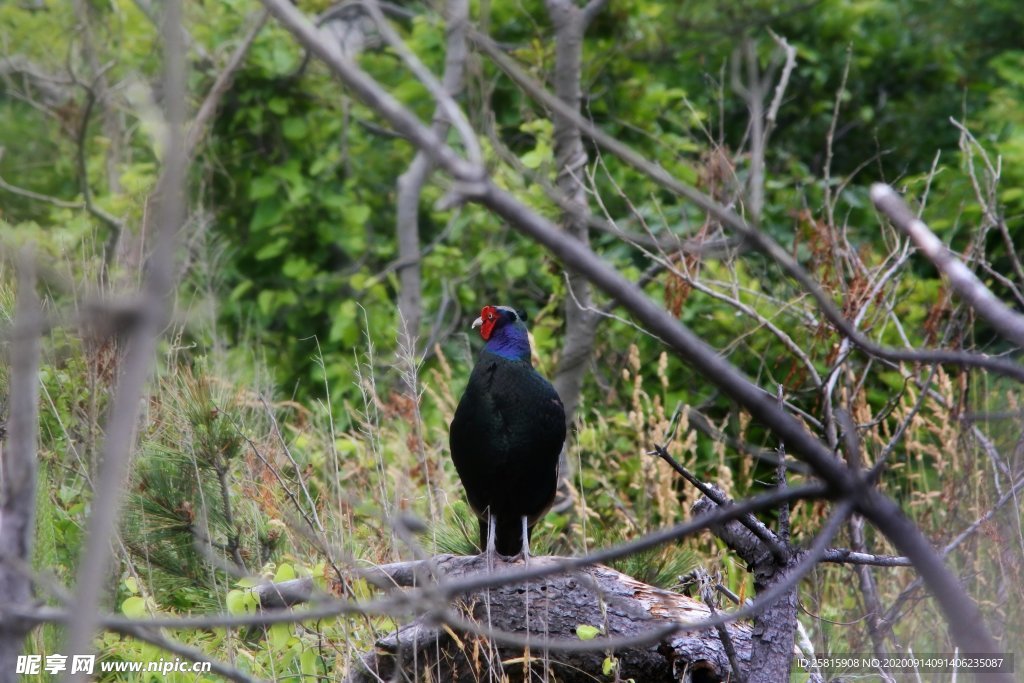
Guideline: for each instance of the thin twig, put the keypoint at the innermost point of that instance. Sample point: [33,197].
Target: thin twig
[708,596]
[830,139]
[298,470]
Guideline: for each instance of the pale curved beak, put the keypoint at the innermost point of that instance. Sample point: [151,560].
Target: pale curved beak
[477,323]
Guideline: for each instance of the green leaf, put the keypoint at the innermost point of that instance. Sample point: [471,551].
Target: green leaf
[587,632]
[537,156]
[268,213]
[278,105]
[235,602]
[361,589]
[263,186]
[309,661]
[272,249]
[134,607]
[266,301]
[295,128]
[344,327]
[410,91]
[284,573]
[241,601]
[608,665]
[516,267]
[280,634]
[282,58]
[298,268]
[356,215]
[539,127]
[240,289]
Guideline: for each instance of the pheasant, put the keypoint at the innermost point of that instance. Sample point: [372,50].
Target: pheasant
[507,434]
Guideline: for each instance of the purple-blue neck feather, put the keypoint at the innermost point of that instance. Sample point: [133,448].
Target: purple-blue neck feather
[510,341]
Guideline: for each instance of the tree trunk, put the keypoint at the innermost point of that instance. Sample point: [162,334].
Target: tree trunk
[774,633]
[410,185]
[571,159]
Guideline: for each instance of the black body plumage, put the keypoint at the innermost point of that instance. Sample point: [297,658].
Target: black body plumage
[507,434]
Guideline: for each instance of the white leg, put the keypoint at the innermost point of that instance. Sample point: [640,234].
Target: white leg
[491,533]
[526,541]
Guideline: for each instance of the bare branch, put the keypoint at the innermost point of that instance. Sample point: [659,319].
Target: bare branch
[830,139]
[29,194]
[753,92]
[18,471]
[714,494]
[707,594]
[112,222]
[868,588]
[780,89]
[846,556]
[159,284]
[965,283]
[197,130]
[670,243]
[185,652]
[750,311]
[115,225]
[776,582]
[592,9]
[53,90]
[446,104]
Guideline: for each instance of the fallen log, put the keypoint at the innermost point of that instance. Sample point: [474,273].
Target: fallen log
[538,629]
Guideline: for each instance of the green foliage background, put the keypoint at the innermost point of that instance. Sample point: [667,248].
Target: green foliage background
[290,288]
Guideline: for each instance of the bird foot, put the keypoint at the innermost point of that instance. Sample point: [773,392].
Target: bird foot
[490,557]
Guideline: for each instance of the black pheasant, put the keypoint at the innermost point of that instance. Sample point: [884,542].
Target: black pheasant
[507,434]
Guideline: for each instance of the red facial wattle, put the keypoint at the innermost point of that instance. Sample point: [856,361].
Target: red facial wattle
[488,319]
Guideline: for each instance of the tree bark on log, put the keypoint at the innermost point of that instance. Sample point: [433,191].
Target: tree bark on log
[548,611]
